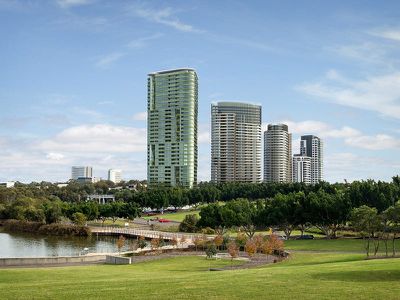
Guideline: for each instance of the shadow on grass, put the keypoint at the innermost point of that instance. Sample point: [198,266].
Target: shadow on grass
[360,276]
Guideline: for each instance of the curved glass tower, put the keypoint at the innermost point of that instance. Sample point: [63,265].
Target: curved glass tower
[172,98]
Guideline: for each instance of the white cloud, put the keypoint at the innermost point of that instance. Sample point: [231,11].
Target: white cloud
[141,116]
[106,61]
[100,138]
[71,3]
[376,93]
[165,16]
[351,136]
[376,142]
[390,34]
[143,41]
[55,156]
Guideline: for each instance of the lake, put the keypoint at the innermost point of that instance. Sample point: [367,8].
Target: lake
[31,245]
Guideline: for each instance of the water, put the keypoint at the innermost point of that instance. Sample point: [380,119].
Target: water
[32,245]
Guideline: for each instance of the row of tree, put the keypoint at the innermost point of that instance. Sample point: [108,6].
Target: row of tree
[328,212]
[53,210]
[372,193]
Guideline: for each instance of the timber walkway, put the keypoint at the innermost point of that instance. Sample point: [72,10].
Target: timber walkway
[148,234]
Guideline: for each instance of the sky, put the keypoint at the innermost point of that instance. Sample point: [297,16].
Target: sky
[73,79]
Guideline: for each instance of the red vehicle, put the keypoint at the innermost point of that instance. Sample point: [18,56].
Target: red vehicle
[163,220]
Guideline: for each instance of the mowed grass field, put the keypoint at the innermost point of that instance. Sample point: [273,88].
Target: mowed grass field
[303,276]
[178,216]
[342,245]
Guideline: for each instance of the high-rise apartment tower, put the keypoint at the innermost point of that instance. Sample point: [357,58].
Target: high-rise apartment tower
[312,146]
[235,142]
[115,175]
[301,168]
[277,154]
[172,128]
[81,172]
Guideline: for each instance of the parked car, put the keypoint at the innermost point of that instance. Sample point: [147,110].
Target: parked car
[306,237]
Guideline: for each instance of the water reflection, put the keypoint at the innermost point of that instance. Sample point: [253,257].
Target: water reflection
[32,245]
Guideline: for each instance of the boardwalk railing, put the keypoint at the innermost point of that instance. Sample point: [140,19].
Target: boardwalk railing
[150,234]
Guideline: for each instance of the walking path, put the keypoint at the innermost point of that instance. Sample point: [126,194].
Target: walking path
[148,234]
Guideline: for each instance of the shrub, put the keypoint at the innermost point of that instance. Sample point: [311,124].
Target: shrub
[211,250]
[189,223]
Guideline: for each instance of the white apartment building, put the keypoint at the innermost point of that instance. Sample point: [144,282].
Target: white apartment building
[301,168]
[277,154]
[81,172]
[115,175]
[235,142]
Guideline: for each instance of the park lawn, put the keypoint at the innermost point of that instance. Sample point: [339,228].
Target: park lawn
[178,216]
[303,276]
[344,245]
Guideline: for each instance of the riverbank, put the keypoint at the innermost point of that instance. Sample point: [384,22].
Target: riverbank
[48,229]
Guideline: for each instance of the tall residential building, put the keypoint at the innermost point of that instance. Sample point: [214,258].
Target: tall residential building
[235,142]
[301,168]
[172,128]
[81,172]
[115,175]
[277,154]
[312,146]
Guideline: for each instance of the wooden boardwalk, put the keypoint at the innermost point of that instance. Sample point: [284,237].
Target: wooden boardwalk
[148,234]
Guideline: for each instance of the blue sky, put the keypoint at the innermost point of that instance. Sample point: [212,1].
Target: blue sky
[74,72]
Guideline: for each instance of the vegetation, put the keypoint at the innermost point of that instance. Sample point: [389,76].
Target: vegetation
[304,276]
[48,229]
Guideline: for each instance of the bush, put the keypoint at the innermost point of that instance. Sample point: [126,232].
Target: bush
[69,230]
[49,229]
[211,250]
[189,223]
[22,226]
[208,230]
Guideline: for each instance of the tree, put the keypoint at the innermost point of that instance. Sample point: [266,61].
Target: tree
[120,243]
[141,242]
[218,240]
[155,243]
[174,241]
[211,250]
[267,248]
[250,248]
[79,219]
[183,240]
[366,221]
[393,217]
[275,243]
[233,250]
[189,223]
[197,241]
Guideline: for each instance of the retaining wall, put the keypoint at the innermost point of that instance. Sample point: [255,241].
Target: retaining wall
[26,261]
[118,260]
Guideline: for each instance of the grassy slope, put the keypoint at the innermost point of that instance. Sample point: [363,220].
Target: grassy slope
[178,216]
[346,245]
[304,276]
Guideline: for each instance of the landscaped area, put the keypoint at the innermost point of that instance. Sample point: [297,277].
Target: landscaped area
[303,276]
[174,216]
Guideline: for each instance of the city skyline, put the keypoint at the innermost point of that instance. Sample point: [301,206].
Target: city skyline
[73,86]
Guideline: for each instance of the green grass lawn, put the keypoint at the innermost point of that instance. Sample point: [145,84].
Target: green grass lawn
[345,245]
[303,276]
[178,216]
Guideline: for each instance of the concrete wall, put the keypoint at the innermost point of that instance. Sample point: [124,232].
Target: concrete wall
[26,261]
[118,260]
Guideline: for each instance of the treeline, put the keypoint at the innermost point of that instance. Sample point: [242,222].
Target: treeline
[328,212]
[53,210]
[48,202]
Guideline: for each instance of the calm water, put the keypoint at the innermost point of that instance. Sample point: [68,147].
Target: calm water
[31,245]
